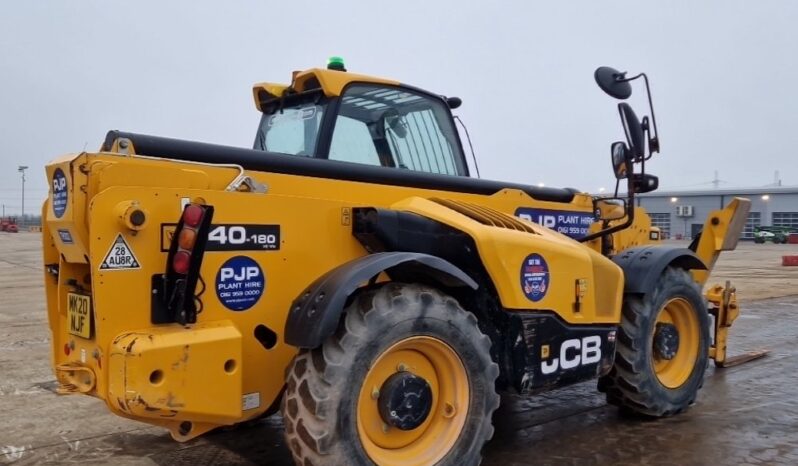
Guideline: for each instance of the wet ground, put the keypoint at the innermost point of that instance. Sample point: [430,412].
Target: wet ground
[744,415]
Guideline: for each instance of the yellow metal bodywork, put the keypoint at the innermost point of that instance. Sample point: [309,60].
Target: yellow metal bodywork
[726,310]
[315,217]
[331,82]
[639,233]
[502,250]
[721,232]
[149,371]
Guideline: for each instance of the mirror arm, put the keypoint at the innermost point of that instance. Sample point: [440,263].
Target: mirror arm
[630,214]
[653,141]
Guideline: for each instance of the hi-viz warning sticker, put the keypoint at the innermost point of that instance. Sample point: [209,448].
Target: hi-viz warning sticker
[120,257]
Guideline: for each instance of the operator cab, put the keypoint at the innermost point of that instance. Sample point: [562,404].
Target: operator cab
[370,129]
[331,114]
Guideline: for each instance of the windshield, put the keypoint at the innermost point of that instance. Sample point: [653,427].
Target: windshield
[291,128]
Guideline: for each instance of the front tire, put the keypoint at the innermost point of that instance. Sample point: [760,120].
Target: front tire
[393,336]
[662,349]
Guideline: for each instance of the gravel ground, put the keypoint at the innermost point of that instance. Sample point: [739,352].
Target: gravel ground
[744,415]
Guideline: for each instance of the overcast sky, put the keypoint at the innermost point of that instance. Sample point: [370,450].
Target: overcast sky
[723,75]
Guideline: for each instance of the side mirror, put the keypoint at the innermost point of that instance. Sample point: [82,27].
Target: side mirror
[611,208]
[620,160]
[644,183]
[453,102]
[613,82]
[633,130]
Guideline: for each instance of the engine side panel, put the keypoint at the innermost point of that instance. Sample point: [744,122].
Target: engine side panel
[538,270]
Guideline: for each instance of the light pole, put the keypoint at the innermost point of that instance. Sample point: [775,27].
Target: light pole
[764,220]
[22,169]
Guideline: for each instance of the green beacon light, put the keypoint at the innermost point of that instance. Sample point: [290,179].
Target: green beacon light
[336,63]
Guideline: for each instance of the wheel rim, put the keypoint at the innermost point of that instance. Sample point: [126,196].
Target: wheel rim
[674,372]
[439,365]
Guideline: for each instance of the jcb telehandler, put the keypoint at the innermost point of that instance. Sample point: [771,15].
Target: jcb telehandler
[348,271]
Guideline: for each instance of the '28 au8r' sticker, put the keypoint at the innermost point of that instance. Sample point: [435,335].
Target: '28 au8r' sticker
[120,256]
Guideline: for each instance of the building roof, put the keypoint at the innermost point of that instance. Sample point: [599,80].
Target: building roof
[725,192]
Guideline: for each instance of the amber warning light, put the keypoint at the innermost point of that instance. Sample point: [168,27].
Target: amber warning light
[187,238]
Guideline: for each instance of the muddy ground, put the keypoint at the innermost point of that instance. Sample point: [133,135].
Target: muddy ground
[744,415]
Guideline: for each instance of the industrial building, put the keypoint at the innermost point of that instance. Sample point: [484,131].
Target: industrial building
[681,214]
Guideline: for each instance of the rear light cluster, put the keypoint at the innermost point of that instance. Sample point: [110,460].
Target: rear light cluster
[187,238]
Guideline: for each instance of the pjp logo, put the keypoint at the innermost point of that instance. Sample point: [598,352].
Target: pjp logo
[548,221]
[239,274]
[240,283]
[59,184]
[60,193]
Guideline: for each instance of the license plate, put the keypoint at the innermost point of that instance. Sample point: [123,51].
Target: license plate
[79,314]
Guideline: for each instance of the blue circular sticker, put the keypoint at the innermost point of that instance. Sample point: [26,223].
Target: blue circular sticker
[535,277]
[60,193]
[240,283]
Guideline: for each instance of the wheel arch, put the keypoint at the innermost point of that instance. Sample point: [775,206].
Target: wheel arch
[316,312]
[643,266]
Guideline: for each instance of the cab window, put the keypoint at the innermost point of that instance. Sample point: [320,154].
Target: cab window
[351,141]
[291,127]
[398,128]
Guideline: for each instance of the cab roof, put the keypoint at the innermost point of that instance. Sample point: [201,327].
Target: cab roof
[331,82]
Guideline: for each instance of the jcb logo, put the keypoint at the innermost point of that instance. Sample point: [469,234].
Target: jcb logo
[239,274]
[59,183]
[574,353]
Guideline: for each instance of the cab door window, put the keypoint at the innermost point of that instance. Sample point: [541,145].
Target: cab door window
[397,128]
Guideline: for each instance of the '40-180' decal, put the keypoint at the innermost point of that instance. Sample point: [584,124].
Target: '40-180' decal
[232,237]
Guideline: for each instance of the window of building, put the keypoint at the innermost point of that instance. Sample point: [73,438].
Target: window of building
[786,219]
[663,222]
[754,220]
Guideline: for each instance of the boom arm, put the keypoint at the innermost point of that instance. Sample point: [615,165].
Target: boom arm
[721,232]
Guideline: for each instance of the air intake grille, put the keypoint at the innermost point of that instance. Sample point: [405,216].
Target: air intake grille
[485,215]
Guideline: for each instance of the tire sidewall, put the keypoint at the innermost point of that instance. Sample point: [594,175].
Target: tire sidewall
[667,290]
[393,329]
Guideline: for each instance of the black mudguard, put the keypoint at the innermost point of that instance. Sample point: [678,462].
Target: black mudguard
[314,315]
[643,266]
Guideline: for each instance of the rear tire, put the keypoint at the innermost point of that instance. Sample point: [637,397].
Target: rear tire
[642,380]
[330,407]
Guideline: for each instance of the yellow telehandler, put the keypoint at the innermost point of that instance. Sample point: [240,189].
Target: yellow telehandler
[349,271]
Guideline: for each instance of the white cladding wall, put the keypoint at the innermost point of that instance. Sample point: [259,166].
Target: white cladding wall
[703,203]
